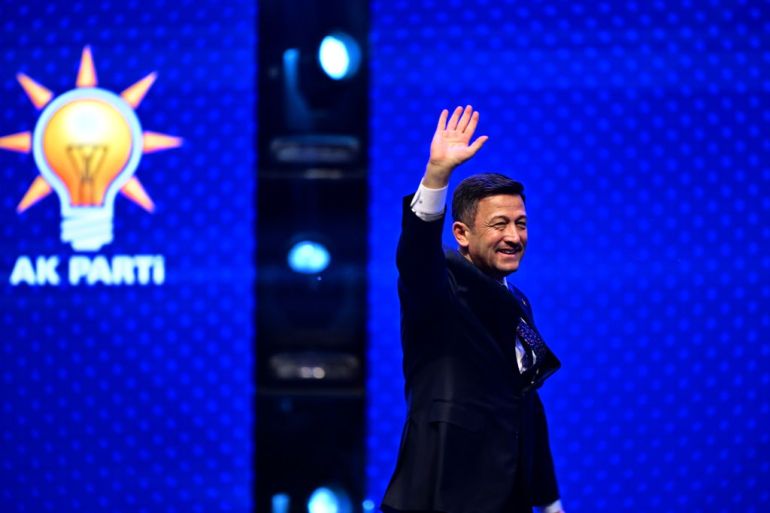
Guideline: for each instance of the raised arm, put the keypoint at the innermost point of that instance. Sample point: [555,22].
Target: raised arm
[420,257]
[451,145]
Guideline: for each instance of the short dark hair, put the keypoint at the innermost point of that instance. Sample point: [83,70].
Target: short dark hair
[473,189]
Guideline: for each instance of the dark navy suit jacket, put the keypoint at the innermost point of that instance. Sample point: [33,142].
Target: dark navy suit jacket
[475,431]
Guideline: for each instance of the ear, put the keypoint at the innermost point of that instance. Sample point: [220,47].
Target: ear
[460,232]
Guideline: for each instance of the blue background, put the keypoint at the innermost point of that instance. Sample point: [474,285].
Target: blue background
[135,399]
[640,131]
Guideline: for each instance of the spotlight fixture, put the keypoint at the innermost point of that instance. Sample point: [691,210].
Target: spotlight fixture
[329,500]
[339,55]
[308,257]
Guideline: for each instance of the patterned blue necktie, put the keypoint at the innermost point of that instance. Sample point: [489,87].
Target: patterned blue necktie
[532,343]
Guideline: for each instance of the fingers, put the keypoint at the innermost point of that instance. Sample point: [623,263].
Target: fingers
[466,118]
[477,144]
[461,120]
[452,125]
[472,123]
[463,123]
[442,120]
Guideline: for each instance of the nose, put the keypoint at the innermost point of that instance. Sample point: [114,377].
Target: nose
[512,235]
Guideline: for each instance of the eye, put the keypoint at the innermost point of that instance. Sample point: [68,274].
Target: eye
[522,224]
[499,225]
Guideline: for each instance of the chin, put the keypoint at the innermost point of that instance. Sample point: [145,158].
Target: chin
[505,270]
[508,267]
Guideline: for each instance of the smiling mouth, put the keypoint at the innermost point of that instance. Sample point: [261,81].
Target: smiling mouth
[509,251]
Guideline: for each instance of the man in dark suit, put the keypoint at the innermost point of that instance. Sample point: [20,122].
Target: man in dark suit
[475,438]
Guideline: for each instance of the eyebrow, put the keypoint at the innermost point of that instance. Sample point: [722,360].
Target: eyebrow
[497,218]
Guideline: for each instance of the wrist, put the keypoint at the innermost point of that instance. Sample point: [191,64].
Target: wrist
[436,177]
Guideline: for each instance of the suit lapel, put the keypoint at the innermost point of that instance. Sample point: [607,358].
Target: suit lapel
[522,303]
[496,309]
[488,306]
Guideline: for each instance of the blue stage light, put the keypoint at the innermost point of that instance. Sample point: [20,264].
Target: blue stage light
[328,500]
[308,257]
[280,503]
[339,55]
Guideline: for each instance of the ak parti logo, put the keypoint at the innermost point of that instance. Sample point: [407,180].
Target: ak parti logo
[87,145]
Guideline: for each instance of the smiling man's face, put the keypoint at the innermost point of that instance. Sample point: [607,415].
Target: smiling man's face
[497,240]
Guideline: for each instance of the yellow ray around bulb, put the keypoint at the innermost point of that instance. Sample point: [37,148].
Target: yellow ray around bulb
[154,141]
[134,191]
[38,94]
[37,191]
[135,94]
[21,142]
[87,72]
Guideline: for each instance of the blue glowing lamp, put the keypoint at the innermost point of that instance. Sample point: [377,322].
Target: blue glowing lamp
[328,500]
[308,257]
[339,55]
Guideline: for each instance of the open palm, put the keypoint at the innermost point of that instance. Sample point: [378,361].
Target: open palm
[451,144]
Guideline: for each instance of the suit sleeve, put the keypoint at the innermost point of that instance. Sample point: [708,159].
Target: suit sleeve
[544,487]
[420,260]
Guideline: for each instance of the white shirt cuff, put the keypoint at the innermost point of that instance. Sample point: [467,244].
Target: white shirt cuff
[428,204]
[554,507]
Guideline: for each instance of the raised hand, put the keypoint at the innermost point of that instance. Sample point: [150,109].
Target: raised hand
[451,145]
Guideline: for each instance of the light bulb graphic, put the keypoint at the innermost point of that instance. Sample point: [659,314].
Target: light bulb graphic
[87,145]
